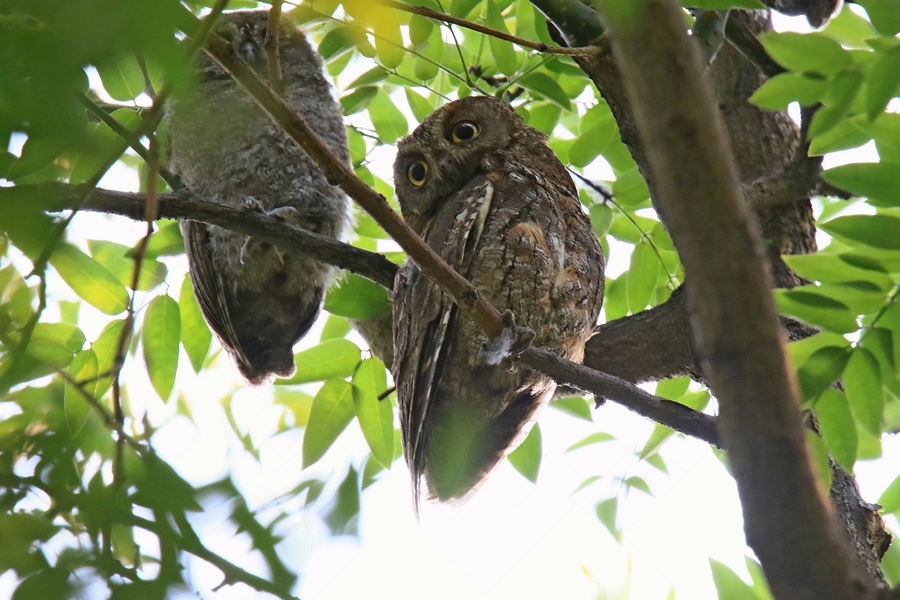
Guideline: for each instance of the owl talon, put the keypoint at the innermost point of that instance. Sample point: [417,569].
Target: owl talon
[251,204]
[509,345]
[285,214]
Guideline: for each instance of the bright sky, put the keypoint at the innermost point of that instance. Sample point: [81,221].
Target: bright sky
[511,540]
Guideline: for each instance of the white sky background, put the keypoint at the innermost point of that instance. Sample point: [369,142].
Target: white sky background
[511,540]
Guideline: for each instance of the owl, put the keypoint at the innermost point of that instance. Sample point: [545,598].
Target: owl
[487,193]
[259,300]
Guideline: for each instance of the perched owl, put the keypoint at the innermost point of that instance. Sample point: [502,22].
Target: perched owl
[488,194]
[258,300]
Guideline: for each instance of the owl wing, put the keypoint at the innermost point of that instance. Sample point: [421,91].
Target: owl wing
[209,288]
[420,305]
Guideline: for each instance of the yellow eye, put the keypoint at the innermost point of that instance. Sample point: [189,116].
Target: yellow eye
[416,172]
[465,131]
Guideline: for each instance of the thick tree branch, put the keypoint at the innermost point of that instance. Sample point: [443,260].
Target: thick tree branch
[788,524]
[651,345]
[55,197]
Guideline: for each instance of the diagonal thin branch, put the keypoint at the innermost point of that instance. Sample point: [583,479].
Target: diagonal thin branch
[502,35]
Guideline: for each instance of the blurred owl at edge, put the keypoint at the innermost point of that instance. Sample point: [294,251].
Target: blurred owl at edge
[487,193]
[259,300]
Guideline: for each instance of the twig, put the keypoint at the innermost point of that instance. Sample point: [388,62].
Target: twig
[273,58]
[666,412]
[450,19]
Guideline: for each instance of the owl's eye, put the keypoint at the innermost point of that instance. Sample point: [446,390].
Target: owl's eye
[465,131]
[416,172]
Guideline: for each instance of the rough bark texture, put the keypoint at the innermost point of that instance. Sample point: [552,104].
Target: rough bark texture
[787,520]
[764,143]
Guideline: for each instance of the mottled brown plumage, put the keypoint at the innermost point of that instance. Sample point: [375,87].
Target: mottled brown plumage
[258,300]
[501,209]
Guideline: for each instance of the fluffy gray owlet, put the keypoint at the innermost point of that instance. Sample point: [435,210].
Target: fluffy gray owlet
[486,193]
[257,299]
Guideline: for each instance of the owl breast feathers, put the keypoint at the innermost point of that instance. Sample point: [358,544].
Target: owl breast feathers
[486,193]
[259,300]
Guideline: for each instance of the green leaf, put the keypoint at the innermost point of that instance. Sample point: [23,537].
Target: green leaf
[356,297]
[335,328]
[331,359]
[419,105]
[165,241]
[389,122]
[638,484]
[846,134]
[122,77]
[672,388]
[576,406]
[546,87]
[779,91]
[643,275]
[820,458]
[811,52]
[695,400]
[606,512]
[837,427]
[816,309]
[728,585]
[339,40]
[594,438]
[462,8]
[90,280]
[890,498]
[195,334]
[342,515]
[331,412]
[884,14]
[358,100]
[601,218]
[376,417]
[55,343]
[656,461]
[850,29]
[879,231]
[837,268]
[630,189]
[862,383]
[837,100]
[592,142]
[873,180]
[821,369]
[115,257]
[427,64]
[527,457]
[84,370]
[419,29]
[861,297]
[161,335]
[502,51]
[299,403]
[882,81]
[388,40]
[105,347]
[760,584]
